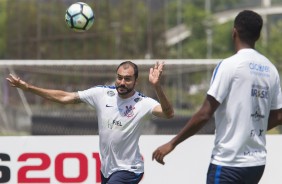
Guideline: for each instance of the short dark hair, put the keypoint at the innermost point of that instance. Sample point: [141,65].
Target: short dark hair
[133,65]
[248,25]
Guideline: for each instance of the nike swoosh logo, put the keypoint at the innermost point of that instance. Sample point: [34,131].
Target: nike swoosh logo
[108,105]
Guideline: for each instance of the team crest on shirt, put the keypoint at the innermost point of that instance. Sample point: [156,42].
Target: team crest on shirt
[129,111]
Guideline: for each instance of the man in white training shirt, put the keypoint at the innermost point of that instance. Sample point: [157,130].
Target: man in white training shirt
[244,93]
[121,113]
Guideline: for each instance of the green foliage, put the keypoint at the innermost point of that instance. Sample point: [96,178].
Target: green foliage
[2,28]
[118,31]
[193,17]
[222,5]
[275,42]
[222,41]
[127,29]
[130,32]
[276,2]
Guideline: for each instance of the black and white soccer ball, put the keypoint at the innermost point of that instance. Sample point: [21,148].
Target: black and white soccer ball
[79,16]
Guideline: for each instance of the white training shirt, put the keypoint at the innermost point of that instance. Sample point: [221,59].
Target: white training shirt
[120,122]
[247,86]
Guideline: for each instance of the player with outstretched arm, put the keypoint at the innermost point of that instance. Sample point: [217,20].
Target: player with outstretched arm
[121,112]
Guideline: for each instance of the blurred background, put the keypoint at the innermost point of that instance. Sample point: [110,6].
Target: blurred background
[182,31]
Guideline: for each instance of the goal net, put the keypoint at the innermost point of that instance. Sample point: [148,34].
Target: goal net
[22,113]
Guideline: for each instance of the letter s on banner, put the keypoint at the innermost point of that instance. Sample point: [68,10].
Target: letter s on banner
[4,170]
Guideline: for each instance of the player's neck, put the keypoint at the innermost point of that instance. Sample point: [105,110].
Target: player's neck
[242,45]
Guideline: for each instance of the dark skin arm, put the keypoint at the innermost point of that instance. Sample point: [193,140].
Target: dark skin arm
[275,118]
[198,120]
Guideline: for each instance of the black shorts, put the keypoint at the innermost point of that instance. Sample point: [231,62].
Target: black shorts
[234,175]
[122,177]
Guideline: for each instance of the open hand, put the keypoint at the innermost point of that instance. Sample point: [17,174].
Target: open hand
[17,82]
[156,72]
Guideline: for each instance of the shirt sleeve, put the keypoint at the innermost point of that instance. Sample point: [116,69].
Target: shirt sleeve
[153,104]
[276,102]
[148,104]
[89,96]
[220,82]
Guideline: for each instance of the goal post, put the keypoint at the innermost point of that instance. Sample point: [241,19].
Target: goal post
[185,81]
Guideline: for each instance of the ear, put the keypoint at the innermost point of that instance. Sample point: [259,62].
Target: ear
[234,33]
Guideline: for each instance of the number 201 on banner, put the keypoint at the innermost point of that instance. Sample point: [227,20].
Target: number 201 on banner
[22,173]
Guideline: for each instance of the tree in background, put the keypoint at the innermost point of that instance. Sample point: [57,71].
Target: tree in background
[35,29]
[42,33]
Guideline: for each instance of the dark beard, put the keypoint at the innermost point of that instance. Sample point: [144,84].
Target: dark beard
[127,90]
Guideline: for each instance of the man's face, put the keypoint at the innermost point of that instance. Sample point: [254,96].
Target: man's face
[125,81]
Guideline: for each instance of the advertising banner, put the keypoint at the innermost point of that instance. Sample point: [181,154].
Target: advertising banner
[75,159]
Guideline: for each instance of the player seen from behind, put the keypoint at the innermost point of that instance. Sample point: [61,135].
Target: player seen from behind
[245,98]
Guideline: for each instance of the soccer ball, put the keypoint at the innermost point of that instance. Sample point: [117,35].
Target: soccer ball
[79,16]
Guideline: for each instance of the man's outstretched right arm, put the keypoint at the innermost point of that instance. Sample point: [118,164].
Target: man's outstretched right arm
[59,96]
